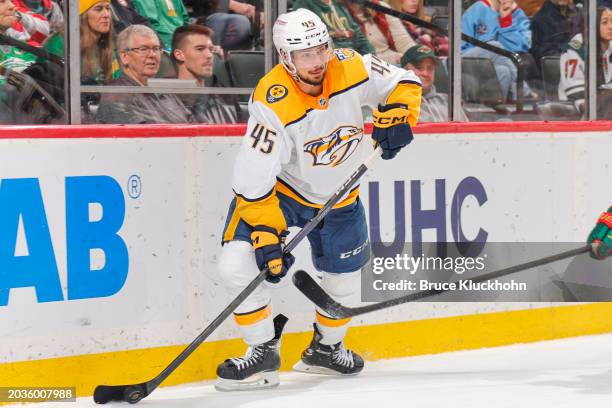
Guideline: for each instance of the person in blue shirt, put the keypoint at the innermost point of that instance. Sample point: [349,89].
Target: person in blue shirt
[503,24]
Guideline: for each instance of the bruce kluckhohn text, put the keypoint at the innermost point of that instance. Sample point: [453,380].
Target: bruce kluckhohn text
[466,284]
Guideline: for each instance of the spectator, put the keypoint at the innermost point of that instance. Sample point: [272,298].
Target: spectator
[553,27]
[387,34]
[422,35]
[11,57]
[124,15]
[343,30]
[434,106]
[49,9]
[21,99]
[230,21]
[139,52]
[165,17]
[98,60]
[497,21]
[193,52]
[571,86]
[502,24]
[33,27]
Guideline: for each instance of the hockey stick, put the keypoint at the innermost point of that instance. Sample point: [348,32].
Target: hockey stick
[307,285]
[133,393]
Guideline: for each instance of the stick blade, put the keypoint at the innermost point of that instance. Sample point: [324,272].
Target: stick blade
[129,393]
[106,393]
[307,285]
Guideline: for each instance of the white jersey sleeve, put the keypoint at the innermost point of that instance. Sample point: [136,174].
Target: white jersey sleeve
[262,152]
[384,79]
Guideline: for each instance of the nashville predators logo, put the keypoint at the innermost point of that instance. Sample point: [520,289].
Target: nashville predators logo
[276,93]
[336,147]
[344,54]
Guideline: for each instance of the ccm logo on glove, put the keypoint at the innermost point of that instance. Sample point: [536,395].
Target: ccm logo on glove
[391,129]
[391,117]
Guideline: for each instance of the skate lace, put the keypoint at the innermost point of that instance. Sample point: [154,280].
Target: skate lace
[343,356]
[253,356]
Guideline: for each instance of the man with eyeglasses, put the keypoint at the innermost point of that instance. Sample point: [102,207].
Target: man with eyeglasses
[305,136]
[193,52]
[140,55]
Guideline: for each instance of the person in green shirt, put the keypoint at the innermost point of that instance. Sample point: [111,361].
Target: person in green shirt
[165,17]
[343,29]
[99,63]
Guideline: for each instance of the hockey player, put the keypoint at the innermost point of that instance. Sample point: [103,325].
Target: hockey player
[304,138]
[601,236]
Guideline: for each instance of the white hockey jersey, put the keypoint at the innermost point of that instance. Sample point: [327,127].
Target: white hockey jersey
[571,84]
[305,147]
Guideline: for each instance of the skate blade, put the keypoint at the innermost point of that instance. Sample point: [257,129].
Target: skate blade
[312,369]
[259,381]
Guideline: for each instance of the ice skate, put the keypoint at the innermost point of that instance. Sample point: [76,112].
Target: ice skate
[258,369]
[332,360]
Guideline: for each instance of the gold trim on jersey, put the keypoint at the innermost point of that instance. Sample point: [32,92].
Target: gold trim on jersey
[286,189]
[279,91]
[409,93]
[272,214]
[230,231]
[265,211]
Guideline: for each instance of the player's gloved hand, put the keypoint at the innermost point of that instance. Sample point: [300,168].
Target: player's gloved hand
[269,252]
[601,236]
[391,129]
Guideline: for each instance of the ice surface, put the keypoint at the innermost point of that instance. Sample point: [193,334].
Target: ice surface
[572,373]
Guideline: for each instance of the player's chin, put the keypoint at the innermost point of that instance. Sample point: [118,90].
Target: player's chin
[316,79]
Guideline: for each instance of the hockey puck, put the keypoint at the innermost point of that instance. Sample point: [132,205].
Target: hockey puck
[133,394]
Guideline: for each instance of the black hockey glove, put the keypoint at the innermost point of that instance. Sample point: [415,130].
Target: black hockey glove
[391,129]
[269,252]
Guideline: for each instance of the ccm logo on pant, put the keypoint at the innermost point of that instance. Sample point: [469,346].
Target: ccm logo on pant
[355,251]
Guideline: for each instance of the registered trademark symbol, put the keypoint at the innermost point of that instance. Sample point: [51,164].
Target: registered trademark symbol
[134,186]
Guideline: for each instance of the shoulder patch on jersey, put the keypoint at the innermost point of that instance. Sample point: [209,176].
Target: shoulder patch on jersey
[344,54]
[276,92]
